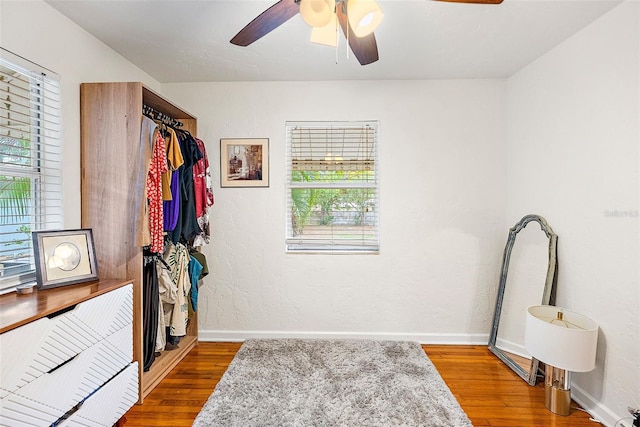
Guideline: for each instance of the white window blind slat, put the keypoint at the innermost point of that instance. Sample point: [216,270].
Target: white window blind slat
[330,184]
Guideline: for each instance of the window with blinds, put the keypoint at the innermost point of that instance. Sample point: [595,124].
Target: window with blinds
[30,163]
[332,187]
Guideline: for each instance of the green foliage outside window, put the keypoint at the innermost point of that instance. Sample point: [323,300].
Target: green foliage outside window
[321,206]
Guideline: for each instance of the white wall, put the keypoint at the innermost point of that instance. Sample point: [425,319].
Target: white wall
[560,139]
[56,43]
[441,217]
[573,157]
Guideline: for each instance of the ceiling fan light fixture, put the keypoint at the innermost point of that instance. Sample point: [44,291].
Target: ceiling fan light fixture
[327,35]
[364,16]
[317,13]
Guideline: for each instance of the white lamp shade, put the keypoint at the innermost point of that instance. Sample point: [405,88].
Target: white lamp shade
[327,35]
[317,13]
[568,344]
[364,16]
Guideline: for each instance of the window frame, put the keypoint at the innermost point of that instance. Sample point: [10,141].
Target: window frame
[36,115]
[337,245]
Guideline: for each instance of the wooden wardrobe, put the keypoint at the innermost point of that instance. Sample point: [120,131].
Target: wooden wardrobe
[111,116]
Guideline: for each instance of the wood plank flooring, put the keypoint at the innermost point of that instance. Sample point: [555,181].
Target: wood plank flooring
[488,391]
[492,394]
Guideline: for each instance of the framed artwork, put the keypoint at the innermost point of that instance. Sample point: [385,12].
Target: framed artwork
[64,257]
[244,162]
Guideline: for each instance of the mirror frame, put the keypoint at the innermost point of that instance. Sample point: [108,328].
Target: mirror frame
[531,376]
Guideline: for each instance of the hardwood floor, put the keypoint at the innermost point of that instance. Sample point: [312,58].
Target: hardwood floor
[492,394]
[488,391]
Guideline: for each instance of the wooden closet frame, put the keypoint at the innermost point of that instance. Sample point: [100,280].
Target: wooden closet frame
[110,123]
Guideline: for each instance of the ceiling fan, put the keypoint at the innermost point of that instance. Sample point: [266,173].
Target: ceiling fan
[358,31]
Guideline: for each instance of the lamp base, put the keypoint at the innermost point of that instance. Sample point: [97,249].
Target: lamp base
[557,391]
[557,400]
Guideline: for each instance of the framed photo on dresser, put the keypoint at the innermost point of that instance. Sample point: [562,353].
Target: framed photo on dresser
[64,257]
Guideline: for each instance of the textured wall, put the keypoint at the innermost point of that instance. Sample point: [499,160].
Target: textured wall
[442,157]
[572,139]
[573,152]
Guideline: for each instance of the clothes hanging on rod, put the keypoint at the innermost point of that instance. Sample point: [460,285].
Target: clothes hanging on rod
[174,161]
[172,202]
[157,167]
[142,233]
[203,195]
[177,314]
[187,225]
[199,258]
[171,207]
[195,269]
[178,191]
[175,201]
[150,308]
[168,292]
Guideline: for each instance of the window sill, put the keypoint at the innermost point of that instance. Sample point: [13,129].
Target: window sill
[330,252]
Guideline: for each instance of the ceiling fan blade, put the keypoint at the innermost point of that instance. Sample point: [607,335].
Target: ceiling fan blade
[364,48]
[474,1]
[266,22]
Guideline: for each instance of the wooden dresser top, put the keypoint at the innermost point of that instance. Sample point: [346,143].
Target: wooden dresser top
[17,310]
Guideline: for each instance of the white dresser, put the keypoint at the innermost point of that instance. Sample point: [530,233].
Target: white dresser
[66,356]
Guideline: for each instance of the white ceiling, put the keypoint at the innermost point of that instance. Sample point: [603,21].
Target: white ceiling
[188,41]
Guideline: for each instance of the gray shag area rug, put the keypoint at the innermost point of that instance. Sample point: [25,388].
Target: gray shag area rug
[292,382]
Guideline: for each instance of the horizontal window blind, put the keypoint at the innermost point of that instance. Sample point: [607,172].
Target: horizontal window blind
[332,186]
[30,163]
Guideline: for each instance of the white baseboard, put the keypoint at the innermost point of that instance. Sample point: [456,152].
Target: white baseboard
[235,336]
[597,410]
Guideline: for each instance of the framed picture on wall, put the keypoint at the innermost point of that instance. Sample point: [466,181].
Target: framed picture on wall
[64,257]
[244,162]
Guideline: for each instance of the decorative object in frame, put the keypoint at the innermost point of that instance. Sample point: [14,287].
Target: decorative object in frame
[64,257]
[244,162]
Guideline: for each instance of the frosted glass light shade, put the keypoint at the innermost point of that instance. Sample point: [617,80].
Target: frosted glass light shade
[568,343]
[327,35]
[317,13]
[364,16]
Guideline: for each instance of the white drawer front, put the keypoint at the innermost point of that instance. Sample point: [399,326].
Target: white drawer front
[18,411]
[109,403]
[32,350]
[54,393]
[109,312]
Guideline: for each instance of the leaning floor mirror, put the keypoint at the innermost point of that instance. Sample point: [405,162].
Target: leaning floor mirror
[527,278]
